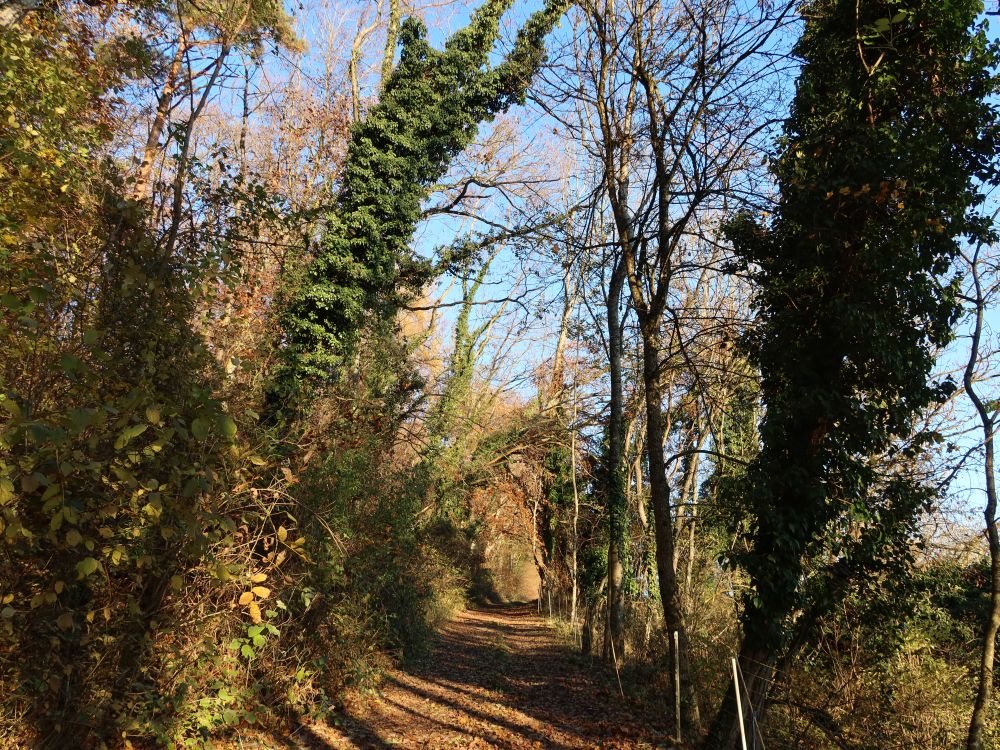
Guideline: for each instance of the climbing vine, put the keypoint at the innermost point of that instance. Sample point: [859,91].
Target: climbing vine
[429,111]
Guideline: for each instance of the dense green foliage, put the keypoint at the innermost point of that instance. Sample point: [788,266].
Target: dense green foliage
[430,109]
[889,133]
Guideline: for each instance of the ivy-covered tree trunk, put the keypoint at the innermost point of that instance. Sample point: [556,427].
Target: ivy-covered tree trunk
[889,131]
[430,109]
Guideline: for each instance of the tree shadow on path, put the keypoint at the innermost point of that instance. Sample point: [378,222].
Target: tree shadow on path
[496,677]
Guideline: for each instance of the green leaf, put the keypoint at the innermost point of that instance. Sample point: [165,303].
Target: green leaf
[128,434]
[81,419]
[199,428]
[70,364]
[10,406]
[227,426]
[124,475]
[86,567]
[38,294]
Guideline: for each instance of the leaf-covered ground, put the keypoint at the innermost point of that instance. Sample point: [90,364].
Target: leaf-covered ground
[496,678]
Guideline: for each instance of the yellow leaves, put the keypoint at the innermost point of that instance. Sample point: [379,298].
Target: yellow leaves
[6,490]
[249,598]
[73,537]
[176,582]
[65,621]
[256,592]
[282,533]
[8,612]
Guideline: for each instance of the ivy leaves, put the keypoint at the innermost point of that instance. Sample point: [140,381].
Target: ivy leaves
[877,186]
[429,112]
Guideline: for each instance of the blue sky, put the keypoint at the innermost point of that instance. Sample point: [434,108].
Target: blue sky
[536,343]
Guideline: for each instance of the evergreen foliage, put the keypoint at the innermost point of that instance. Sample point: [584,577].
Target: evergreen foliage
[889,133]
[429,111]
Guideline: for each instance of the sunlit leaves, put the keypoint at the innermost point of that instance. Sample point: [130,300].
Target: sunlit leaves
[6,490]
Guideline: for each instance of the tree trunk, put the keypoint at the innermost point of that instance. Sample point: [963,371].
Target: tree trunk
[984,693]
[663,526]
[616,479]
[391,38]
[576,517]
[140,191]
[182,157]
[756,669]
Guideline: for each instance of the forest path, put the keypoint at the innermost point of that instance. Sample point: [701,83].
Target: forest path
[497,677]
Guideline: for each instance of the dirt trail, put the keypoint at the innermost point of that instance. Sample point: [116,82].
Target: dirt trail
[496,678]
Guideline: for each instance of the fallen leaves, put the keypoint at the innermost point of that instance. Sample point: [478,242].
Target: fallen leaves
[497,678]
